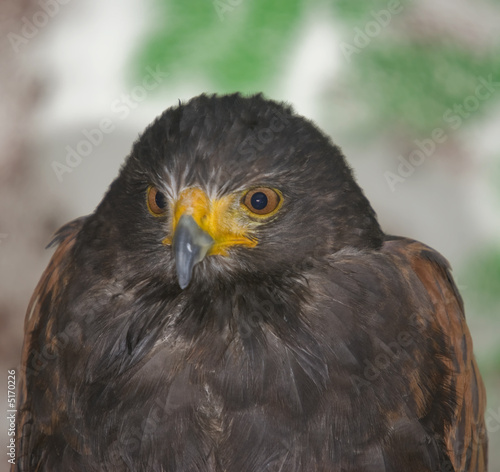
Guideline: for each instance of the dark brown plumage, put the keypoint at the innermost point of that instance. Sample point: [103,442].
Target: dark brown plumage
[233,305]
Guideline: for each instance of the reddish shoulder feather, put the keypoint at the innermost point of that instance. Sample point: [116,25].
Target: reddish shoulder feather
[43,300]
[466,438]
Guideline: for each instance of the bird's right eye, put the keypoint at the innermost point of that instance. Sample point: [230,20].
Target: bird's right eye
[157,202]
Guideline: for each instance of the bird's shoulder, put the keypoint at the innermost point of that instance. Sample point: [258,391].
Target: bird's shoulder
[432,268]
[465,435]
[53,277]
[396,313]
[41,334]
[401,267]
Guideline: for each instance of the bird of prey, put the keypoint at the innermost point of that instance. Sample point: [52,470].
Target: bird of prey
[233,305]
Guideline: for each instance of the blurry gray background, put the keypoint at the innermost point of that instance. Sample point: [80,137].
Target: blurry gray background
[409,89]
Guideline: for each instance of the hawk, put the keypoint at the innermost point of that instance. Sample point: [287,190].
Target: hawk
[233,305]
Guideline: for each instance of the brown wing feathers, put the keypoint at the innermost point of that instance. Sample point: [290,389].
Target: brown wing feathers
[466,435]
[39,341]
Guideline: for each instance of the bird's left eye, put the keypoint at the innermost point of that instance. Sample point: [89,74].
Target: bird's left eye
[157,202]
[262,200]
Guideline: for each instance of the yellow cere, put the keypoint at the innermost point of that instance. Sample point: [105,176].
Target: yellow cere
[223,219]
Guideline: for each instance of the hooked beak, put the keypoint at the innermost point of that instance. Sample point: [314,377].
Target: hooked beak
[191,244]
[204,227]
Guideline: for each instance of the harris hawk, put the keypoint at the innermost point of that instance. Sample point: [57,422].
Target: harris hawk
[233,305]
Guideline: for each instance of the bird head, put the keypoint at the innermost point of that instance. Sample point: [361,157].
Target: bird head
[228,187]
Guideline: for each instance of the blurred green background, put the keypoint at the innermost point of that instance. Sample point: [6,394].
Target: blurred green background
[409,89]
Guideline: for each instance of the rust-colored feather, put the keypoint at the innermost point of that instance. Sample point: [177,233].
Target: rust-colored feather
[44,298]
[466,438]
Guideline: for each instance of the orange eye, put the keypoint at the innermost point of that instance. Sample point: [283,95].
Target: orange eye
[157,202]
[262,200]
